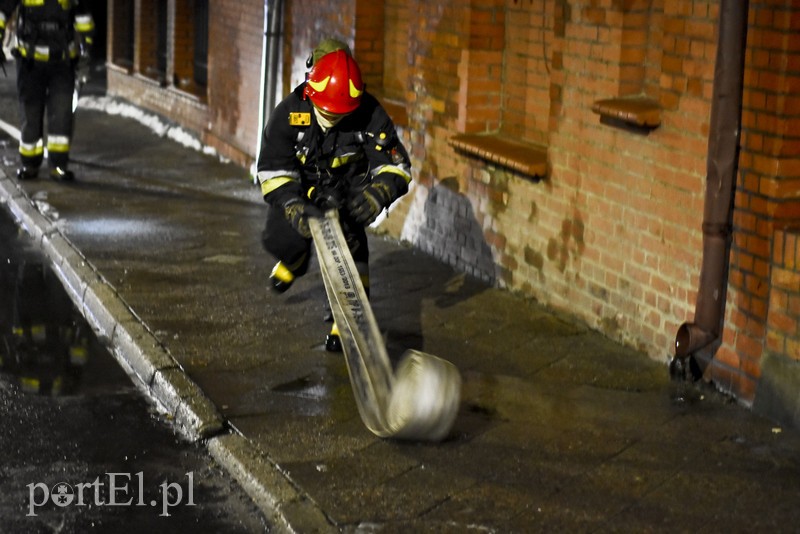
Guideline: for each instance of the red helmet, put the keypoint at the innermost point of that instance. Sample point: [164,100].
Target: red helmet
[334,83]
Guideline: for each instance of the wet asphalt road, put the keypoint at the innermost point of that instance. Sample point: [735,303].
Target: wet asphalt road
[76,430]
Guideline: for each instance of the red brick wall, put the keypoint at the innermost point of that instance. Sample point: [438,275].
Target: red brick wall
[225,114]
[235,43]
[783,318]
[396,62]
[614,232]
[768,198]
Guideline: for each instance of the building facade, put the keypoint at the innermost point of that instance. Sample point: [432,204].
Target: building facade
[560,148]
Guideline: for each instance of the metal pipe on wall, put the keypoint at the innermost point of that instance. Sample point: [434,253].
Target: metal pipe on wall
[700,339]
[270,64]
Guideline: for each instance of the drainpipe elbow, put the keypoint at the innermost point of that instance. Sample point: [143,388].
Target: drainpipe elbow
[691,338]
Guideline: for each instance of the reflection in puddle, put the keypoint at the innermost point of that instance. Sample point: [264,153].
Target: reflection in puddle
[44,341]
[115,227]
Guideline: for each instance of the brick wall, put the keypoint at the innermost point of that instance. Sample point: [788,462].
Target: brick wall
[777,393]
[222,114]
[783,318]
[768,192]
[235,42]
[614,232]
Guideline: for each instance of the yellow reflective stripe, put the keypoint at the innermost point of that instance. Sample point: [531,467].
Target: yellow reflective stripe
[2,21]
[263,176]
[344,159]
[84,23]
[58,143]
[29,384]
[38,333]
[394,170]
[31,149]
[354,92]
[268,186]
[41,53]
[320,85]
[30,3]
[282,273]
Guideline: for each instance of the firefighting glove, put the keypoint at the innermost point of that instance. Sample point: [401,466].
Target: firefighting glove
[367,204]
[295,209]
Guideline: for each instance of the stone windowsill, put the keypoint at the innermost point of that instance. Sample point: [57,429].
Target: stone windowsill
[525,158]
[120,67]
[640,111]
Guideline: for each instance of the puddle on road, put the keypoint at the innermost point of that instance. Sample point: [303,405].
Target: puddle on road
[46,346]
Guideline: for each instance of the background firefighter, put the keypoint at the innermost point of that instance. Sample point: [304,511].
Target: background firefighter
[54,37]
[329,144]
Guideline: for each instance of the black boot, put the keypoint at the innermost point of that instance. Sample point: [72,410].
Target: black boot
[333,343]
[281,278]
[27,173]
[60,174]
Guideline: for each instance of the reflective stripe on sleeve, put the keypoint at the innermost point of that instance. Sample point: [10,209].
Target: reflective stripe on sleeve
[271,180]
[271,185]
[394,169]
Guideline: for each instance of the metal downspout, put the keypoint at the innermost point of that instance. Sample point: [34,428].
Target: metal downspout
[270,65]
[722,165]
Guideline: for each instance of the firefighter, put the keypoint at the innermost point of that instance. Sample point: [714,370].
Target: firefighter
[328,145]
[54,38]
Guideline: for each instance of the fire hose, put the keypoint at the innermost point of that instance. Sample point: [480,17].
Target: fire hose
[418,401]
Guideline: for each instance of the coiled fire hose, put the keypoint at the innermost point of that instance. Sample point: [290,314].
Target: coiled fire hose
[417,402]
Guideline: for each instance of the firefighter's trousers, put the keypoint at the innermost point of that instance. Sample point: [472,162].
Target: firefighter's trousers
[281,240]
[45,90]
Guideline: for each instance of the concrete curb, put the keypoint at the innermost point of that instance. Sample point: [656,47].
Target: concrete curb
[285,506]
[128,339]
